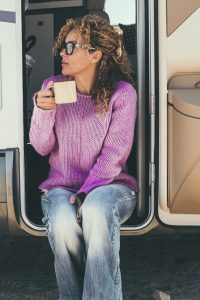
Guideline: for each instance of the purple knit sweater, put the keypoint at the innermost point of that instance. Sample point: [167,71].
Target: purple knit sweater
[86,150]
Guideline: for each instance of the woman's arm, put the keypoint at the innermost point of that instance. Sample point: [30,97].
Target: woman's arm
[117,144]
[42,135]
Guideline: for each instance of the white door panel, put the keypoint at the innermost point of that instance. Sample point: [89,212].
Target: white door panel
[7,5]
[11,112]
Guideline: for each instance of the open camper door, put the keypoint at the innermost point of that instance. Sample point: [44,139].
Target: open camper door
[12,210]
[179,112]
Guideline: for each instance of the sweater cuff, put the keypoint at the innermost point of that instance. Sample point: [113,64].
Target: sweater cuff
[42,117]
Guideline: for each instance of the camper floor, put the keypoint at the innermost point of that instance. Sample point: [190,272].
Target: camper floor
[170,264]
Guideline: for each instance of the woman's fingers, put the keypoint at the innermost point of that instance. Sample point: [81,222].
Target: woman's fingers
[72,199]
[49,85]
[45,98]
[46,102]
[45,93]
[48,92]
[75,200]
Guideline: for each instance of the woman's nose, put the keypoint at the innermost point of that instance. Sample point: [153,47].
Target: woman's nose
[63,53]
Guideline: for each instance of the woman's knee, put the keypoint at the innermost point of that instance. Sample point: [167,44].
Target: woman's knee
[97,208]
[64,231]
[109,203]
[61,221]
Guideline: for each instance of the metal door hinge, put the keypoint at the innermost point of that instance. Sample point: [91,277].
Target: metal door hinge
[152,104]
[152,172]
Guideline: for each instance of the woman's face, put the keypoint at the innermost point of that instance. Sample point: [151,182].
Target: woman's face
[79,61]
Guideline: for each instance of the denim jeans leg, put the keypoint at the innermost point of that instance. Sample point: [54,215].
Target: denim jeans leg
[103,210]
[66,240]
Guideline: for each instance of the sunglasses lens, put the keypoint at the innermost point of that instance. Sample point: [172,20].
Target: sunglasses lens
[69,47]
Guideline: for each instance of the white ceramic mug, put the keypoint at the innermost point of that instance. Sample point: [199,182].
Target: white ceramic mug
[65,92]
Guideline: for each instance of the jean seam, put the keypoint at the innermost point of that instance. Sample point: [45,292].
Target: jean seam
[115,211]
[46,215]
[115,208]
[116,273]
[114,223]
[125,199]
[44,198]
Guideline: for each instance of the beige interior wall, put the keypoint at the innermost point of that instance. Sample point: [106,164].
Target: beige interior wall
[179,52]
[183,46]
[178,11]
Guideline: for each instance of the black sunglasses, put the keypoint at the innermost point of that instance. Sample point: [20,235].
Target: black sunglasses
[69,47]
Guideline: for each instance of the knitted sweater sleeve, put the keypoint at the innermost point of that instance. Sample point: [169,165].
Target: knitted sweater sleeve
[118,141]
[41,134]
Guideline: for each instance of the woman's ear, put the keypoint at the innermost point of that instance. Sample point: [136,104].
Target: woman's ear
[95,56]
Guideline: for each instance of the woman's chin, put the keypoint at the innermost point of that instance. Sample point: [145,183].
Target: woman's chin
[65,73]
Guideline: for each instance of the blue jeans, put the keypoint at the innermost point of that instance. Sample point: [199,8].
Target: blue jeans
[87,255]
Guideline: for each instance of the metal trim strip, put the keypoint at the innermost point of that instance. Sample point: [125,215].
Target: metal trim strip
[7,16]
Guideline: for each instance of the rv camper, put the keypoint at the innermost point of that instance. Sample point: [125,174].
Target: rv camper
[166,153]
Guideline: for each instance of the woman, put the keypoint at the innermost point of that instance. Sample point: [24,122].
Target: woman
[88,192]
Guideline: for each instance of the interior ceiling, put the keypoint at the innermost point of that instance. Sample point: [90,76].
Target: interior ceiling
[95,4]
[91,4]
[178,11]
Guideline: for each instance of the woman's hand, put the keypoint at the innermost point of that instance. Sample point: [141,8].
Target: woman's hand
[78,199]
[45,98]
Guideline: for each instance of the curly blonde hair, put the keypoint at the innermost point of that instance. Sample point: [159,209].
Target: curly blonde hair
[114,64]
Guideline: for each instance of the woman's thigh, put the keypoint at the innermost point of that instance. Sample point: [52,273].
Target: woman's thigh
[109,198]
[57,209]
